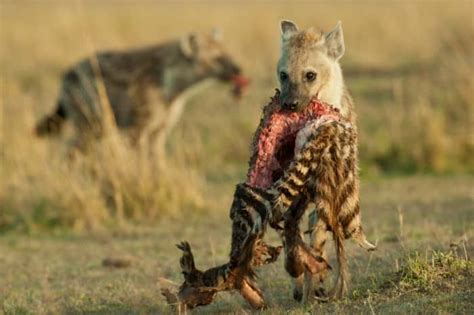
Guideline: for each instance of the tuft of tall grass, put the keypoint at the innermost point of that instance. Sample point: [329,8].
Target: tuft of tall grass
[408,65]
[425,273]
[110,187]
[44,186]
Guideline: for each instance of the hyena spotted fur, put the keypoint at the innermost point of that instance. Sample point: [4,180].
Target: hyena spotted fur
[324,172]
[304,156]
[147,88]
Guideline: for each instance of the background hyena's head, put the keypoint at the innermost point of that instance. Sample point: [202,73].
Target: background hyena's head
[208,58]
[309,65]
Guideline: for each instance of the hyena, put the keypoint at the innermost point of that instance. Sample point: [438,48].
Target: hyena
[324,169]
[146,88]
[304,155]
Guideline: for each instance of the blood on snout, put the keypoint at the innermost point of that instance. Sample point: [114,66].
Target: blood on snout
[240,83]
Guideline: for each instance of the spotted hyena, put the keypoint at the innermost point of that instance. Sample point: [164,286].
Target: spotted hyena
[304,157]
[146,88]
[323,169]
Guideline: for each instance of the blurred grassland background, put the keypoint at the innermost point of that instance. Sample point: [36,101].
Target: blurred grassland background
[408,65]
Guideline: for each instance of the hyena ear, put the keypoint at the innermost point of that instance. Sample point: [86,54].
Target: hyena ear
[335,42]
[189,45]
[288,29]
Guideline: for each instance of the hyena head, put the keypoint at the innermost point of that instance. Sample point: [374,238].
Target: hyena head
[309,66]
[209,59]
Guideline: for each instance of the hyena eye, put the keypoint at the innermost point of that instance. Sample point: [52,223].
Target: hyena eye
[310,76]
[283,76]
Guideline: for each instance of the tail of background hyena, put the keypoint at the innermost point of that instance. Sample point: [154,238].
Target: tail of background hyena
[52,123]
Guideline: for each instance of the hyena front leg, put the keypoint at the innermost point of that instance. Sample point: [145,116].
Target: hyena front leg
[318,236]
[299,287]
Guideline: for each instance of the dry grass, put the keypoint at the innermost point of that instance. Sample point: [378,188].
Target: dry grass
[409,67]
[63,273]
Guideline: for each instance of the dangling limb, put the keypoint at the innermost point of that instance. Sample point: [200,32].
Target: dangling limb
[249,214]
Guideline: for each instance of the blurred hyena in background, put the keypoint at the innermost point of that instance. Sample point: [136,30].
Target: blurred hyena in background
[146,89]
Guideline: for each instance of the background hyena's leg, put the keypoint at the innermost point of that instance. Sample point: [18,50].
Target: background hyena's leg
[318,239]
[87,124]
[159,133]
[151,115]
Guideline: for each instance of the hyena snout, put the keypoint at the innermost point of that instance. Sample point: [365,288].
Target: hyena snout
[291,98]
[290,105]
[288,101]
[228,69]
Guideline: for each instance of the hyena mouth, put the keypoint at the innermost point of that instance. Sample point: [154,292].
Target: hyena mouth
[283,135]
[240,84]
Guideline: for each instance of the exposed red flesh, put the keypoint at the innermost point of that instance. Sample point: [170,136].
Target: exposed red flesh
[279,134]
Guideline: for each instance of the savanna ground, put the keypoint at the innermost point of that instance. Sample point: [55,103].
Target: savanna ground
[410,69]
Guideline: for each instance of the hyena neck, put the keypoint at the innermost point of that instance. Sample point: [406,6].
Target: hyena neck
[332,91]
[176,85]
[336,93]
[348,105]
[186,92]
